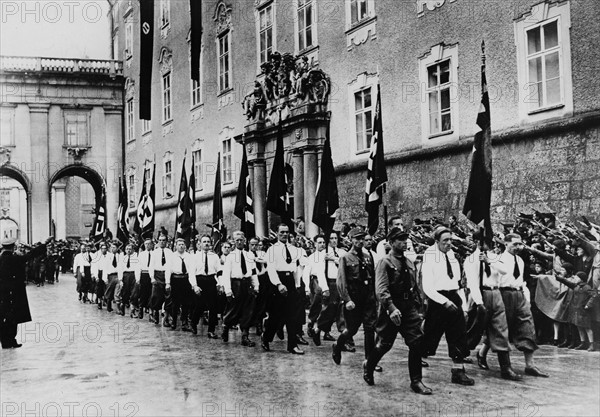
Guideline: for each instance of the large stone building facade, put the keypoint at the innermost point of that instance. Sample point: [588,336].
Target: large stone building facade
[61,119]
[424,56]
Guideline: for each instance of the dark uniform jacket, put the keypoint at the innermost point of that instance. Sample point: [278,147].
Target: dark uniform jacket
[14,307]
[395,288]
[355,282]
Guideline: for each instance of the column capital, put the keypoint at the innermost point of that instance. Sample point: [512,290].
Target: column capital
[38,108]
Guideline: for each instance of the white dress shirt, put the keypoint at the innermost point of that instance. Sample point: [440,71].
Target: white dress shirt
[276,261]
[315,266]
[232,269]
[506,279]
[99,264]
[82,259]
[156,262]
[435,274]
[134,265]
[332,265]
[175,264]
[199,261]
[110,261]
[143,260]
[472,268]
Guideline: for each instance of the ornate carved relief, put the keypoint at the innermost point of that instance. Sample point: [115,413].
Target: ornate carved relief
[129,88]
[5,154]
[166,60]
[430,4]
[361,34]
[222,17]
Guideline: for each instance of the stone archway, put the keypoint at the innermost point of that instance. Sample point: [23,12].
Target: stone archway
[91,176]
[16,174]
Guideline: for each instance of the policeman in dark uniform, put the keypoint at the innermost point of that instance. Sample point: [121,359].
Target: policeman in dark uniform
[399,299]
[356,286]
[14,307]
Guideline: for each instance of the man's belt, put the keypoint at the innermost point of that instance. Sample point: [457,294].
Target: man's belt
[286,273]
[331,280]
[206,276]
[511,289]
[490,288]
[178,275]
[240,278]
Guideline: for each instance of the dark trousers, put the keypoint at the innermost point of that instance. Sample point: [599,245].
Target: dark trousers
[520,321]
[100,287]
[145,290]
[84,280]
[111,285]
[206,300]
[330,308]
[265,292]
[157,297]
[8,333]
[315,300]
[240,307]
[496,328]
[281,311]
[409,329]
[127,289]
[180,297]
[439,321]
[300,316]
[365,313]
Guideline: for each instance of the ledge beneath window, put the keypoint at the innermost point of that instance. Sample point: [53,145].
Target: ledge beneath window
[361,32]
[439,135]
[225,98]
[548,108]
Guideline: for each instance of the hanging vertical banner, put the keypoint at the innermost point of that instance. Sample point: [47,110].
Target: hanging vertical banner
[146,55]
[196,37]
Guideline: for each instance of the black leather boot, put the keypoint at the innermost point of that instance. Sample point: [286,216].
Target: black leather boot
[506,370]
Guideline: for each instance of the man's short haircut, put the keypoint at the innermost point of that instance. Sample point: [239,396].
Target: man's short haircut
[280,225]
[509,237]
[318,236]
[437,234]
[392,219]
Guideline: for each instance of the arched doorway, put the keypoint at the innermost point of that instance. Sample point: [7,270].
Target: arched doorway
[75,192]
[15,197]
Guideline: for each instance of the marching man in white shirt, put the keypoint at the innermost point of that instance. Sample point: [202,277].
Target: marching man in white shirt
[240,284]
[130,274]
[181,274]
[112,273]
[82,265]
[159,270]
[145,285]
[99,261]
[441,277]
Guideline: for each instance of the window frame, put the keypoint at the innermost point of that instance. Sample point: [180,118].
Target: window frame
[313,27]
[7,114]
[85,115]
[227,171]
[438,90]
[439,54]
[167,177]
[540,15]
[130,120]
[363,112]
[259,31]
[167,98]
[131,188]
[197,89]
[165,13]
[197,168]
[222,88]
[128,38]
[362,82]
[370,13]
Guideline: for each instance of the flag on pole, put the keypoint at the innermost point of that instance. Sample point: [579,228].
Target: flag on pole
[196,37]
[192,197]
[144,218]
[122,217]
[479,193]
[97,232]
[376,173]
[219,231]
[243,201]
[327,201]
[146,57]
[278,199]
[183,221]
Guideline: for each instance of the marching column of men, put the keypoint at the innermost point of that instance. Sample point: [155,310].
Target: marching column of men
[266,289]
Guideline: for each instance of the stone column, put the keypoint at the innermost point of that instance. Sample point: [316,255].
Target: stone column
[311,175]
[59,213]
[40,192]
[259,190]
[298,166]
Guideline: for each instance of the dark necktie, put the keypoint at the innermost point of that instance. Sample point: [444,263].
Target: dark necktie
[89,258]
[205,263]
[183,268]
[149,254]
[288,255]
[449,267]
[128,261]
[114,263]
[516,271]
[243,263]
[164,260]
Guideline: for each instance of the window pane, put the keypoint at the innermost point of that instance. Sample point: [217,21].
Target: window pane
[445,72]
[535,95]
[308,15]
[359,124]
[353,11]
[433,113]
[551,35]
[367,94]
[445,99]
[432,76]
[534,43]
[535,70]
[363,9]
[368,120]
[309,40]
[552,67]
[358,101]
[553,92]
[446,122]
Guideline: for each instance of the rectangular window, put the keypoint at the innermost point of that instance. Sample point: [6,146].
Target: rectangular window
[131,190]
[305,24]
[165,13]
[363,115]
[129,39]
[130,121]
[5,199]
[359,11]
[543,65]
[438,96]
[166,97]
[198,169]
[146,126]
[265,32]
[168,180]
[147,178]
[76,129]
[224,62]
[227,167]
